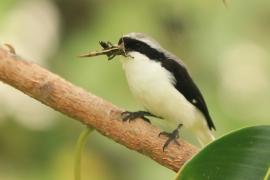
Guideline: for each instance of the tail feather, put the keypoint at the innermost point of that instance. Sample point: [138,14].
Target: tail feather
[204,137]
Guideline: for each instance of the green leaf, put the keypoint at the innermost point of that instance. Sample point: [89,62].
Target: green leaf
[240,155]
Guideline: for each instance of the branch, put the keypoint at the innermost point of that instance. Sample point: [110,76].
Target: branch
[57,93]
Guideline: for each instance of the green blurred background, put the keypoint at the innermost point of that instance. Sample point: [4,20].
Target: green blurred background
[226,49]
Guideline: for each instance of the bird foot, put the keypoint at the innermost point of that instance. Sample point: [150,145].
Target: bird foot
[130,116]
[172,136]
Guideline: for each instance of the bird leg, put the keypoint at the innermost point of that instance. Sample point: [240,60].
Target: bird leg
[130,116]
[172,136]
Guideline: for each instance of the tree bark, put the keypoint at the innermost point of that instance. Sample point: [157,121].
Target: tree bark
[73,101]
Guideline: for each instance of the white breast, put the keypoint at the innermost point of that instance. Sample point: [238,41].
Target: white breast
[152,85]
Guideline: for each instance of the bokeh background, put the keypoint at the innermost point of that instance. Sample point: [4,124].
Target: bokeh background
[226,50]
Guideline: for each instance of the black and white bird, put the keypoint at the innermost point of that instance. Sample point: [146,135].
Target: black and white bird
[161,82]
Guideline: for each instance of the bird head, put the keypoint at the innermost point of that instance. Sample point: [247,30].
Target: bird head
[140,43]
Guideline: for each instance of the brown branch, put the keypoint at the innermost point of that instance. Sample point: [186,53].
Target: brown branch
[52,90]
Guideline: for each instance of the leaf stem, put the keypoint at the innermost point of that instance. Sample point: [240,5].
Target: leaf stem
[79,147]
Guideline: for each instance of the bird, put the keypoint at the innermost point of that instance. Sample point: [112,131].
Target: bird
[162,84]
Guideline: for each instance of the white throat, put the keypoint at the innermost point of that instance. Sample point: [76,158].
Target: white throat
[149,82]
[141,69]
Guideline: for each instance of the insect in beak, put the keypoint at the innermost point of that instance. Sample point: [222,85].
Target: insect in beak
[109,49]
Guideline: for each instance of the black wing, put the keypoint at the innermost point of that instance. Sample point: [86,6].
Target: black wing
[188,88]
[184,84]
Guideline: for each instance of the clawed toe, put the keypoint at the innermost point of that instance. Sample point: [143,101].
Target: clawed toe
[146,120]
[126,115]
[163,133]
[173,136]
[130,116]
